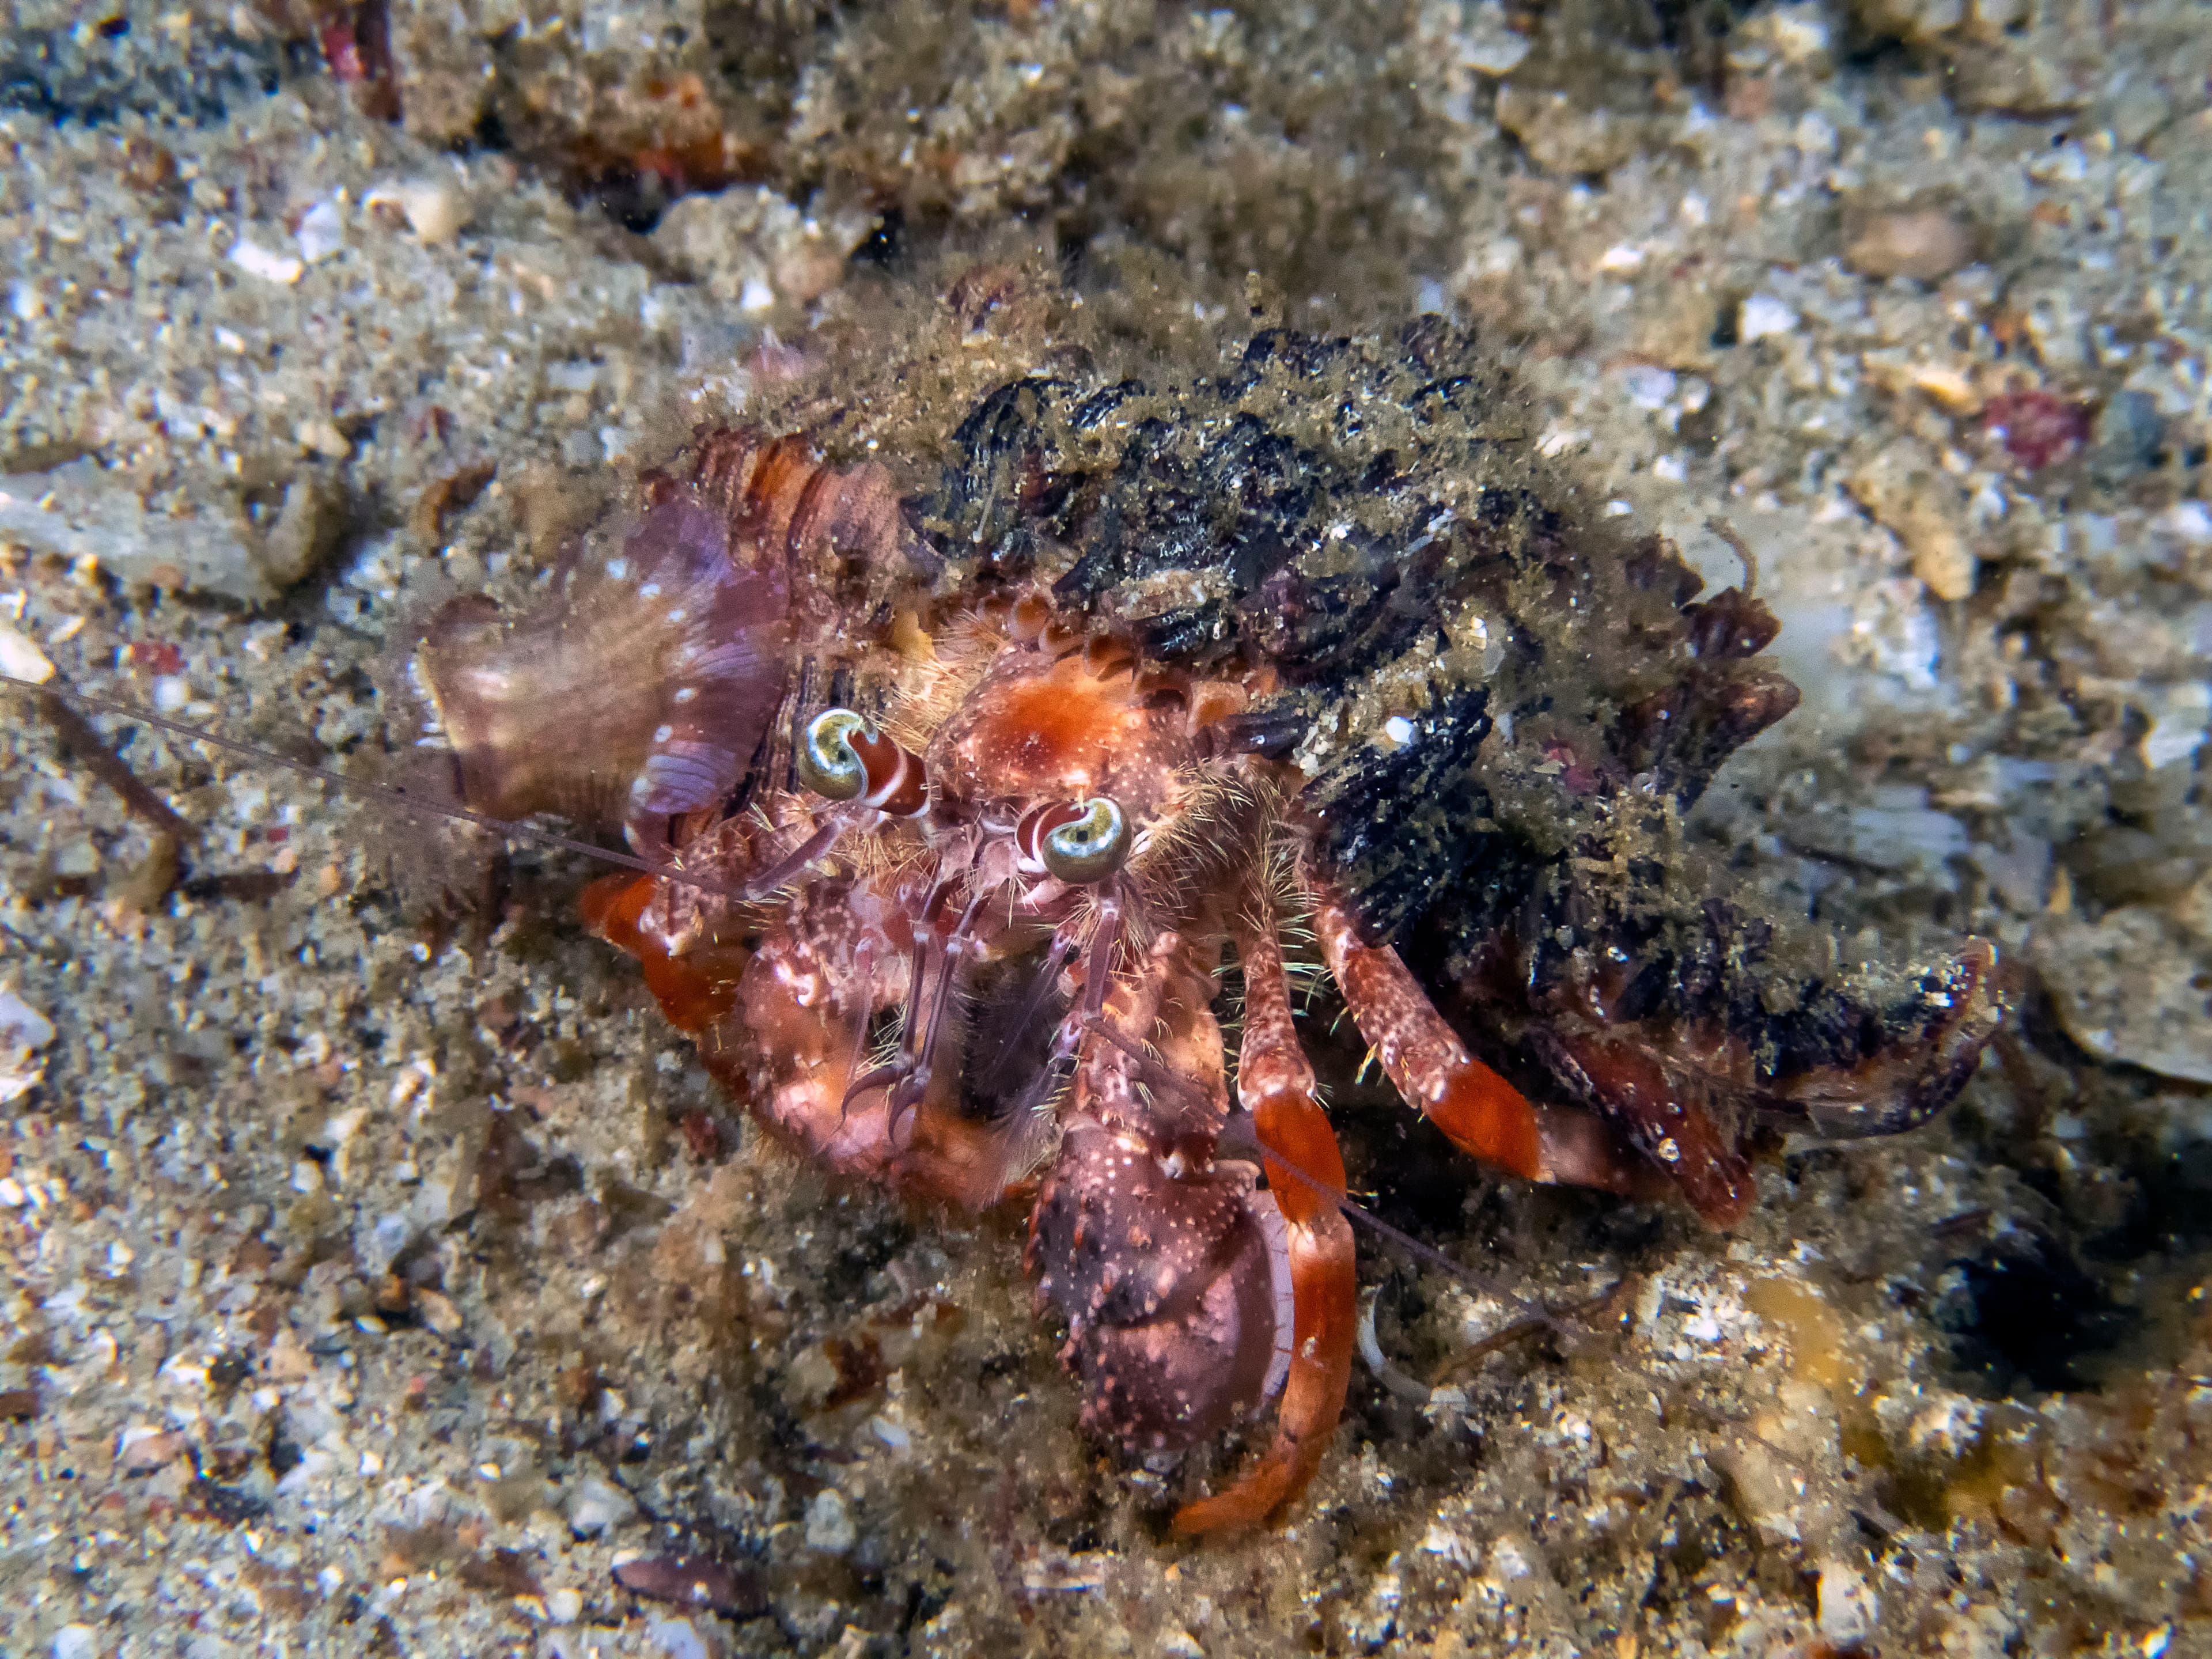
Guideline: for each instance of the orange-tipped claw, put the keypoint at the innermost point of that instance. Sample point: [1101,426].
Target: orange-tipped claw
[1315,1390]
[1322,1284]
[1483,1115]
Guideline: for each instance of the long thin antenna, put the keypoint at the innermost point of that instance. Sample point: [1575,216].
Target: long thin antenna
[391,794]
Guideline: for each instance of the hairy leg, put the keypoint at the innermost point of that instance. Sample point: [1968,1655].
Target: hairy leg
[783,1028]
[1483,1115]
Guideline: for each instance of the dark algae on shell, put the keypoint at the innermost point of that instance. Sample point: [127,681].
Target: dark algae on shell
[1504,709]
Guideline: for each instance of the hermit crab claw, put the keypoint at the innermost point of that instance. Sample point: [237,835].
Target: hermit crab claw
[1175,1282]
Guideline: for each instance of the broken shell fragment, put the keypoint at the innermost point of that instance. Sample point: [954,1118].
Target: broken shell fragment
[436,209]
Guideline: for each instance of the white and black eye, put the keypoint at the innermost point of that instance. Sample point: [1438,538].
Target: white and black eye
[1087,845]
[845,759]
[829,764]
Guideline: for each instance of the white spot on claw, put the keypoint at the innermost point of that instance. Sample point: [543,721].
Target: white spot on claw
[619,568]
[662,734]
[650,591]
[686,693]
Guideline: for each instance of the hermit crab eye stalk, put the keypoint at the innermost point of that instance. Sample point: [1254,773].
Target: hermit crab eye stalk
[827,762]
[843,758]
[1089,845]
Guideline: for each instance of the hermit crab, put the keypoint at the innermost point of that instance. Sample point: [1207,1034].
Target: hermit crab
[982,784]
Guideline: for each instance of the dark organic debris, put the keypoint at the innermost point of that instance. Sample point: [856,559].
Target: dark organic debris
[694,1580]
[239,886]
[2026,1310]
[226,1504]
[502,1572]
[86,744]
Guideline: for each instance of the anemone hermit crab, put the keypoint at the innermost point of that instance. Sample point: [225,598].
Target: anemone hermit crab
[981,785]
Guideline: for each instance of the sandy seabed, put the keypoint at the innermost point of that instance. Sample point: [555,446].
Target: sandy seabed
[363,1289]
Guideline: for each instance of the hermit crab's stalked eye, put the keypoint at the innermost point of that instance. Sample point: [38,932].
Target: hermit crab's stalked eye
[845,759]
[1082,843]
[828,764]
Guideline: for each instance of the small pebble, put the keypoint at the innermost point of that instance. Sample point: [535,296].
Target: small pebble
[1925,243]
[1947,1426]
[829,1524]
[1495,55]
[321,232]
[438,1312]
[1848,1607]
[1799,35]
[564,1606]
[1649,387]
[22,660]
[144,1451]
[1763,315]
[597,1505]
[678,1638]
[257,261]
[436,209]
[77,858]
[2127,436]
[322,437]
[2190,522]
[75,1642]
[1490,45]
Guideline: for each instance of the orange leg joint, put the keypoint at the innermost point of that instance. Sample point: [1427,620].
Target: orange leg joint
[1483,1115]
[1305,1178]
